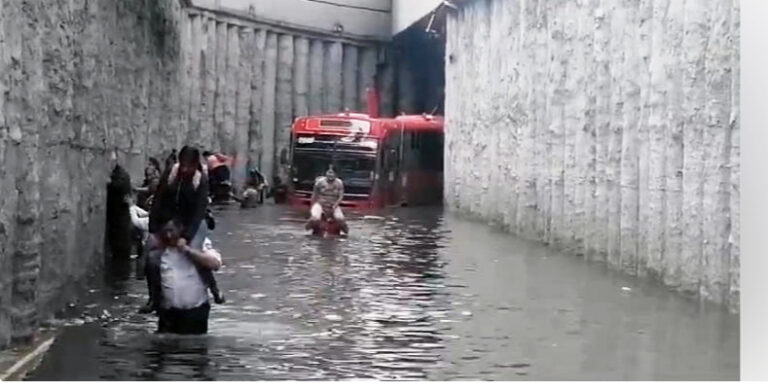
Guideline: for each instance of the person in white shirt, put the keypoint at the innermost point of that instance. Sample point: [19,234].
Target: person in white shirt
[140,223]
[185,306]
[139,217]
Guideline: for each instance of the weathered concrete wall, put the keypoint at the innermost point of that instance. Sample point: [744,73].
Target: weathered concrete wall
[406,12]
[360,19]
[607,128]
[80,78]
[247,82]
[77,79]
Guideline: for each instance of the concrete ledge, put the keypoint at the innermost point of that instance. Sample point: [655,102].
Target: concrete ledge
[15,365]
[288,25]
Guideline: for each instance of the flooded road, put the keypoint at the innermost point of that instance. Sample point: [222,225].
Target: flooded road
[417,294]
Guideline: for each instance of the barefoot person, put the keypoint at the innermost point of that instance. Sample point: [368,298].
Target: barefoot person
[326,198]
[253,194]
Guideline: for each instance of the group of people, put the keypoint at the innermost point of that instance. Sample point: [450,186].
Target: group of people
[172,219]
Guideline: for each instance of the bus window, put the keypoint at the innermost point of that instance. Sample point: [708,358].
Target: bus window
[390,160]
[431,152]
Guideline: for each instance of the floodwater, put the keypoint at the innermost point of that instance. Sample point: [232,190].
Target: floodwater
[413,294]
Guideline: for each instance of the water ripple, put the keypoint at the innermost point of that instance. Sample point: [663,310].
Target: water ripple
[408,296]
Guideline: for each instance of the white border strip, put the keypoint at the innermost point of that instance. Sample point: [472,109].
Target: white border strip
[40,350]
[754,190]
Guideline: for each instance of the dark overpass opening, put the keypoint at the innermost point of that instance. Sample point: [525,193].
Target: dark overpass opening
[420,55]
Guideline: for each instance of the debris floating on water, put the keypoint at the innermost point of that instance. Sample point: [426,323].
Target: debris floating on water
[513,365]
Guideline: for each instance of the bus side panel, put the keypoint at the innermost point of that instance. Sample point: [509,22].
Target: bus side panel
[423,187]
[423,179]
[381,191]
[389,175]
[378,192]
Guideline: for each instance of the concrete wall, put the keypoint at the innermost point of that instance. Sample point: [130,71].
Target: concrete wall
[244,83]
[370,19]
[77,78]
[407,12]
[607,128]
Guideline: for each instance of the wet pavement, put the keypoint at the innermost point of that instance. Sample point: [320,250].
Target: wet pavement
[415,294]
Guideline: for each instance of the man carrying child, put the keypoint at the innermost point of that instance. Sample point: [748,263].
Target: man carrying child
[178,245]
[185,307]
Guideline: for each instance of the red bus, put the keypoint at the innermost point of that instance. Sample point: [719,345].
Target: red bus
[382,161]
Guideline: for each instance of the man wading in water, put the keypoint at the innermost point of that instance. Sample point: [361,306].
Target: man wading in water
[182,198]
[185,307]
[326,197]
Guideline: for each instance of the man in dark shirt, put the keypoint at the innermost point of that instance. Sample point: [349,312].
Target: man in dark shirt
[182,194]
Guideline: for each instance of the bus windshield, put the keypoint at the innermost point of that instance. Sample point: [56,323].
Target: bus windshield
[356,171]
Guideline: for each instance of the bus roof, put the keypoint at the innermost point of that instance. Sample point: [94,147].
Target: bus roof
[345,123]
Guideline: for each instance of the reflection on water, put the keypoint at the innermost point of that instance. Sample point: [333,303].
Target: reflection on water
[412,295]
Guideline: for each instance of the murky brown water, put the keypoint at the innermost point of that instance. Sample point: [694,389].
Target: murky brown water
[417,294]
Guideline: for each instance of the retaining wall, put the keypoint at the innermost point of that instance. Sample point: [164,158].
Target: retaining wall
[80,79]
[607,128]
